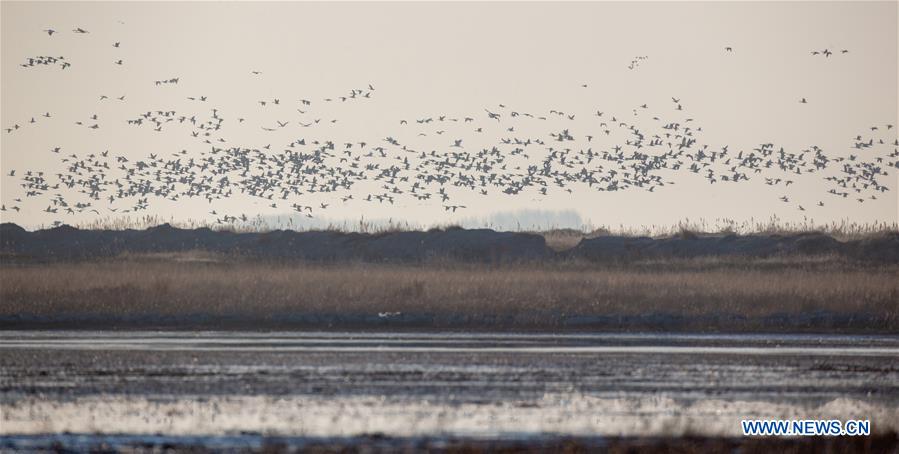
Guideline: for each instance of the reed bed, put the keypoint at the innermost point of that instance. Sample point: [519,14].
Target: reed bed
[844,229]
[177,285]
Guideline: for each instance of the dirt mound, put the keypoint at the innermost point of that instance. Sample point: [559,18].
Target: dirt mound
[477,245]
[468,245]
[613,248]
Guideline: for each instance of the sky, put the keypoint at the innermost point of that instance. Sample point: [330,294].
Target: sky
[738,71]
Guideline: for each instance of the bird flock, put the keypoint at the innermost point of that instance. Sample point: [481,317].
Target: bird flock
[635,63]
[427,158]
[44,60]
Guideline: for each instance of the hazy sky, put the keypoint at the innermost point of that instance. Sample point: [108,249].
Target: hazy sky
[458,60]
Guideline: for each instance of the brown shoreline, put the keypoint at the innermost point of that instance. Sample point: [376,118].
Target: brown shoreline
[825,324]
[450,279]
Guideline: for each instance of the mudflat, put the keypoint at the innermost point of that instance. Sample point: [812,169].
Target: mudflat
[300,388]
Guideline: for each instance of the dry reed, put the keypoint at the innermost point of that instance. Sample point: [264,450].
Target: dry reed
[173,285]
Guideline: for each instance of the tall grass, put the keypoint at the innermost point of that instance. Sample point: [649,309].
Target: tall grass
[257,224]
[533,294]
[842,229]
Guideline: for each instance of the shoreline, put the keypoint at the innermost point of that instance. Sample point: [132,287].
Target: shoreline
[811,324]
[882,442]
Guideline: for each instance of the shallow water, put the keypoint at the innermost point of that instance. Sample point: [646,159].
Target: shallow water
[747,344]
[328,384]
